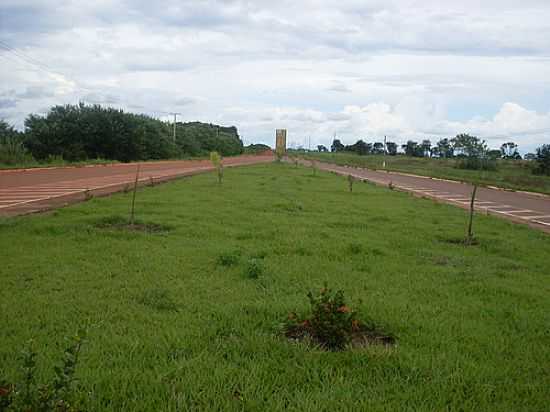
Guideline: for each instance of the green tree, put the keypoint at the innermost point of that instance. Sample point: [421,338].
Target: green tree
[411,148]
[543,160]
[426,148]
[378,148]
[509,150]
[337,146]
[391,147]
[445,148]
[469,146]
[12,150]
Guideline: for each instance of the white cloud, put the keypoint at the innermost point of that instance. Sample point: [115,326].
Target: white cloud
[404,68]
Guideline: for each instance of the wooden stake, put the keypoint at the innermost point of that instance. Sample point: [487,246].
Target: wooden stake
[470,237]
[134,196]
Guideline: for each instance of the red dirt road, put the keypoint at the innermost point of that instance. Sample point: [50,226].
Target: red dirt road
[25,191]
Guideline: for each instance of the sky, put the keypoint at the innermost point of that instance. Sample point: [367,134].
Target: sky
[354,69]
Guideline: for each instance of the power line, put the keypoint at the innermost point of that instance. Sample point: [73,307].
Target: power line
[42,67]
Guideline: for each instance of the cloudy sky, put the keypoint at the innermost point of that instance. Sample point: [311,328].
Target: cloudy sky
[355,68]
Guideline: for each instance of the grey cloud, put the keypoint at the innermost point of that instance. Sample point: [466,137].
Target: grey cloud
[340,88]
[7,103]
[35,92]
[99,98]
[185,101]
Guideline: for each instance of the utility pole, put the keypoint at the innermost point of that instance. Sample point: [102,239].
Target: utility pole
[175,114]
[384,162]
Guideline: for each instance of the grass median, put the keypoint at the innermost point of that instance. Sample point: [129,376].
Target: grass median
[176,321]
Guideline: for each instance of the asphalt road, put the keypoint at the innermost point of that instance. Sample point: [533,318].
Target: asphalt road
[521,207]
[25,191]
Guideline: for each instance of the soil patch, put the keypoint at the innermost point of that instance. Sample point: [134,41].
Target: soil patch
[361,337]
[122,224]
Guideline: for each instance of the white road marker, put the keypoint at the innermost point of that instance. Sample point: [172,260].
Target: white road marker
[536,217]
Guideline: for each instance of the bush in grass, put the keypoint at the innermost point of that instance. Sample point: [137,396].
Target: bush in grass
[228,258]
[476,163]
[158,299]
[330,324]
[254,269]
[57,395]
[355,248]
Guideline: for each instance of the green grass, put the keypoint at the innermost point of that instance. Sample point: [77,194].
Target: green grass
[510,174]
[173,327]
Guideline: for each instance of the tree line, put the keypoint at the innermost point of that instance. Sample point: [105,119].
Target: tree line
[471,151]
[80,132]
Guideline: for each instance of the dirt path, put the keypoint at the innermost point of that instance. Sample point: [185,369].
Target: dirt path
[521,207]
[33,190]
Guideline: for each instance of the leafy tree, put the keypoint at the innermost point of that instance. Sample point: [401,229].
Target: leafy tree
[509,150]
[321,148]
[360,147]
[337,146]
[256,148]
[12,150]
[391,147]
[445,148]
[469,146]
[79,132]
[426,148]
[378,148]
[411,148]
[543,160]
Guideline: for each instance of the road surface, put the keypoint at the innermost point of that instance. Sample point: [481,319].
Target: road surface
[25,191]
[529,208]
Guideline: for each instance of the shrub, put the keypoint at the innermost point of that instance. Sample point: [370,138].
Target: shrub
[476,163]
[57,395]
[216,160]
[254,269]
[355,248]
[229,258]
[12,150]
[331,323]
[158,299]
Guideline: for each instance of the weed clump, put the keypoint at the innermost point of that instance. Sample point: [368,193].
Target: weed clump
[254,269]
[158,299]
[332,324]
[355,248]
[57,395]
[120,223]
[228,259]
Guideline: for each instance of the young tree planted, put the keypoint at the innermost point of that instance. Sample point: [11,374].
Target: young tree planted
[216,160]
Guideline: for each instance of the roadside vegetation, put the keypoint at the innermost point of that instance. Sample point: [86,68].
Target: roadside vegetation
[507,173]
[196,317]
[463,157]
[95,134]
